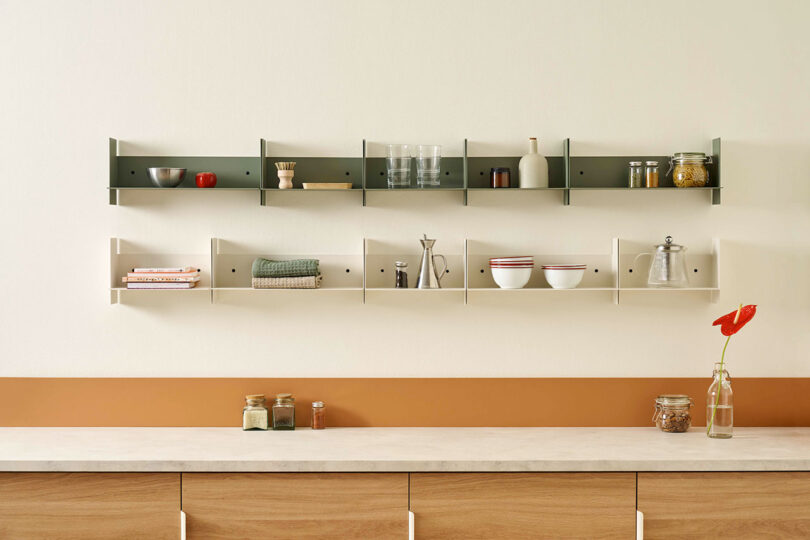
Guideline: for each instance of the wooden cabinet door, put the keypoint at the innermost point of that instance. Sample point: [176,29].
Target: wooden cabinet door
[62,506]
[523,505]
[296,505]
[725,505]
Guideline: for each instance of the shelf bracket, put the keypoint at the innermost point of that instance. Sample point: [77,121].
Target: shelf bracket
[363,185]
[615,266]
[113,170]
[716,166]
[567,171]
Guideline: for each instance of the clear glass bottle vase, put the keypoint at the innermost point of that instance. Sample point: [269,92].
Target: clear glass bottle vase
[720,405]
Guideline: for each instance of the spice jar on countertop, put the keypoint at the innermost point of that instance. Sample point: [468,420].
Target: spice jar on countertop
[254,415]
[672,413]
[284,412]
[318,415]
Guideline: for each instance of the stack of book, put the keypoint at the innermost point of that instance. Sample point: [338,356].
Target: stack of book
[185,277]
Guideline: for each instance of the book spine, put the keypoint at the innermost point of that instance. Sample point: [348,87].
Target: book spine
[175,270]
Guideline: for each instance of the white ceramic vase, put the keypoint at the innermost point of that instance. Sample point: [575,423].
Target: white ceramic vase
[533,168]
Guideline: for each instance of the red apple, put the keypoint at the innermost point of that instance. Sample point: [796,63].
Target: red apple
[206,179]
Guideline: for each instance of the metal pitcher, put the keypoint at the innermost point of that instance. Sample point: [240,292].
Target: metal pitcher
[668,267]
[429,276]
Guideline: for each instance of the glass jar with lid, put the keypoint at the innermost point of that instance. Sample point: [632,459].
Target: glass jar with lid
[651,174]
[284,412]
[672,413]
[689,169]
[254,415]
[635,177]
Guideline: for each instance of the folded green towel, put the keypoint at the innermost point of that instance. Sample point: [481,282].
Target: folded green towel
[265,268]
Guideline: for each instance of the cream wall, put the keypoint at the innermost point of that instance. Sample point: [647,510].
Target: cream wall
[211,78]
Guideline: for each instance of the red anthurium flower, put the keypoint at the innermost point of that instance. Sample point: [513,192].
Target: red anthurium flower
[730,324]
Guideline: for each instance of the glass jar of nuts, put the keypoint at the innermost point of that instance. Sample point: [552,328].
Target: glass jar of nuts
[672,413]
[689,169]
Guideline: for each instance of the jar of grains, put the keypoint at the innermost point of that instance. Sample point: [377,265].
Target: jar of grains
[672,413]
[689,169]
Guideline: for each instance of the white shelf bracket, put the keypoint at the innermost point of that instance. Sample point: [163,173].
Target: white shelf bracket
[466,264]
[410,525]
[182,525]
[614,264]
[365,253]
[639,525]
[715,295]
[115,250]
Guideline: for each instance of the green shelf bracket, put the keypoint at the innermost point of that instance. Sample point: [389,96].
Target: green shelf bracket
[567,172]
[714,170]
[113,170]
[363,184]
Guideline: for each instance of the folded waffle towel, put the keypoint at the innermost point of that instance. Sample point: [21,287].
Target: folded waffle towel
[301,282]
[265,268]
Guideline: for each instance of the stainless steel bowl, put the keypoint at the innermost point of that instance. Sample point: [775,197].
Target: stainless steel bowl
[166,177]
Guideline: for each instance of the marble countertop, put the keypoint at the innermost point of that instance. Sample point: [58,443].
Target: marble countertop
[400,449]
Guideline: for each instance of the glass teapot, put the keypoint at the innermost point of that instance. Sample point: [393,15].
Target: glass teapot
[668,268]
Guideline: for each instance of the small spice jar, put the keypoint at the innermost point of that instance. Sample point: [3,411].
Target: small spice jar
[318,415]
[651,173]
[284,412]
[672,413]
[635,177]
[499,177]
[254,415]
[689,169]
[401,275]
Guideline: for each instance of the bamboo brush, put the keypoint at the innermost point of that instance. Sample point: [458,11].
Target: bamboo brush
[285,174]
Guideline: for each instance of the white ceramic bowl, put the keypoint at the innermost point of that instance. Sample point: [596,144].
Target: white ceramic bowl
[511,278]
[563,278]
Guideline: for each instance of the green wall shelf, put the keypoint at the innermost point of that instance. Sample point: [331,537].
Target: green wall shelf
[463,174]
[233,173]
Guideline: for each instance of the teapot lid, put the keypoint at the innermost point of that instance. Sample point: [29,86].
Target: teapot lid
[669,246]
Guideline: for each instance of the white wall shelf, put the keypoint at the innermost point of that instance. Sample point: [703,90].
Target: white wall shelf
[124,256]
[227,269]
[231,265]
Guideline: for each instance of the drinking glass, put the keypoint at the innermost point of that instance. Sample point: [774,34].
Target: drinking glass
[398,162]
[428,163]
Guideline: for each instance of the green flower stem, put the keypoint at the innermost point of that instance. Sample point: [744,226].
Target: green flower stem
[719,386]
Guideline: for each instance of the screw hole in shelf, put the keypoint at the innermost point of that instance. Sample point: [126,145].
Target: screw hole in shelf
[447,173]
[482,270]
[696,270]
[447,271]
[347,173]
[233,269]
[631,270]
[131,172]
[347,270]
[581,172]
[247,173]
[382,173]
[596,270]
[382,269]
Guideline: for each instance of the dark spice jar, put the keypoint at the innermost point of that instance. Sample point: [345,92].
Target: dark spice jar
[499,177]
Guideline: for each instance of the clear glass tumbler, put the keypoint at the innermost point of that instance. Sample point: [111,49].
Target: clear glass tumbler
[428,165]
[398,163]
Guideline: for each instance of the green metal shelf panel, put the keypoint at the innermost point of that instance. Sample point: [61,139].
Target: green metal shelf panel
[129,172]
[452,175]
